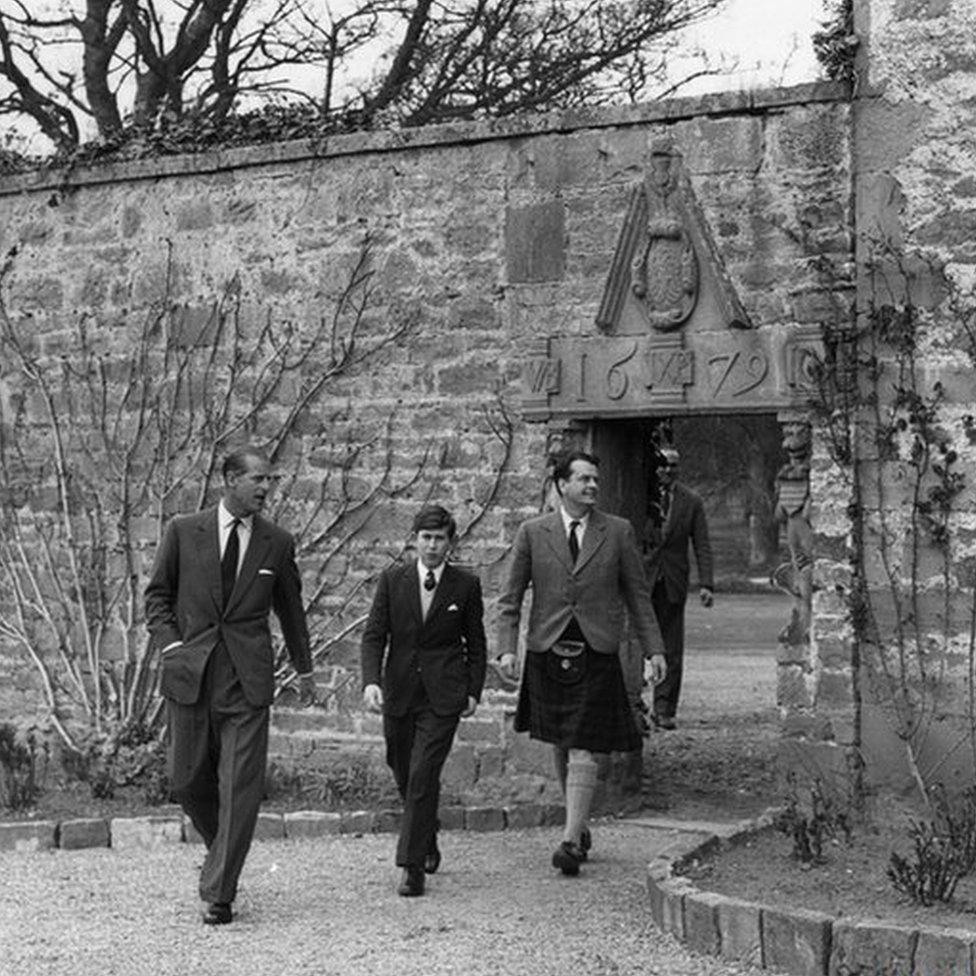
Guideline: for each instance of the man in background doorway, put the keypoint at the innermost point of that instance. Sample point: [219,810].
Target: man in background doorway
[676,518]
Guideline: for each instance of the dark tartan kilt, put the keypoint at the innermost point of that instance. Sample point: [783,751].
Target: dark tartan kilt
[593,714]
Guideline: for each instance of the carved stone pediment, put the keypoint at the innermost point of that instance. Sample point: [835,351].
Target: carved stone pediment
[673,337]
[667,274]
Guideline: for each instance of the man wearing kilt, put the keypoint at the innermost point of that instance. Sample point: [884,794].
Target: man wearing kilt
[584,568]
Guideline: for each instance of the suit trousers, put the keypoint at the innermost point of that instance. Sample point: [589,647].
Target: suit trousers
[671,619]
[218,750]
[417,745]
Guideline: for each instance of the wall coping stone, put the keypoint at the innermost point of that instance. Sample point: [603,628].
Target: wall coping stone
[666,889]
[670,110]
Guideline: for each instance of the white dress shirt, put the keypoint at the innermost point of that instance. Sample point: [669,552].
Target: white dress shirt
[245,525]
[580,528]
[427,596]
[224,521]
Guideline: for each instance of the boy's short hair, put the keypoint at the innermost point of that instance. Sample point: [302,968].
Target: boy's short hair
[434,517]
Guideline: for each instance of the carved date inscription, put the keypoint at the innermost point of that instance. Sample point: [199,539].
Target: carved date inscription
[582,376]
[541,376]
[617,380]
[670,368]
[735,373]
[803,367]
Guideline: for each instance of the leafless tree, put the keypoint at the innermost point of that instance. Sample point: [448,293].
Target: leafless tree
[99,448]
[122,66]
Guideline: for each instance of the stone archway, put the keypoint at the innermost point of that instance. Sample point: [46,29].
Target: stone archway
[671,339]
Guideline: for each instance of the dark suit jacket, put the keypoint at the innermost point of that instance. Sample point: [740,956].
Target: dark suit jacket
[666,546]
[183,603]
[448,647]
[607,577]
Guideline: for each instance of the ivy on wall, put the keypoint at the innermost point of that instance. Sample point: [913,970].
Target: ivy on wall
[894,435]
[836,44]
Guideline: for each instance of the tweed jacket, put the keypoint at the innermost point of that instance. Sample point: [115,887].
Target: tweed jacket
[606,579]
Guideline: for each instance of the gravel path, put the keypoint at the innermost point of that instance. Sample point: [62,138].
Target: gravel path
[328,907]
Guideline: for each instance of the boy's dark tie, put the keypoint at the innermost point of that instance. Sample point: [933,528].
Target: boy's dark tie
[429,581]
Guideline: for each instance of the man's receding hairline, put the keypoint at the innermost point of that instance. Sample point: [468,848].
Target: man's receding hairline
[235,461]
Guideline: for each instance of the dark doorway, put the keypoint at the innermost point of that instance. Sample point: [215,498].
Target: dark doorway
[625,450]
[731,462]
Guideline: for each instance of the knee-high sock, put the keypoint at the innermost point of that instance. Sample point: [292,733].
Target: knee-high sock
[560,757]
[580,787]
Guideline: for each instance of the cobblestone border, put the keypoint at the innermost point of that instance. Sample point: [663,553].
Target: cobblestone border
[792,940]
[140,833]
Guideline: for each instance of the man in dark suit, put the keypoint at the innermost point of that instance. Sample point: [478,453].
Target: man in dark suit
[423,665]
[217,576]
[584,569]
[677,518]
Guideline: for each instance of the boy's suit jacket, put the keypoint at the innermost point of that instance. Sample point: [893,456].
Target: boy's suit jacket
[184,603]
[666,546]
[607,577]
[448,648]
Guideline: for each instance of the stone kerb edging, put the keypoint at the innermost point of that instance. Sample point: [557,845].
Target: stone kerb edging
[792,940]
[152,831]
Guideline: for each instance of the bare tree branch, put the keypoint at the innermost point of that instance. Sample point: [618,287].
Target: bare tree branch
[124,437]
[214,60]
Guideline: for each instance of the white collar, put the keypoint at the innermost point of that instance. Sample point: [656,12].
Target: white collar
[422,571]
[226,518]
[582,520]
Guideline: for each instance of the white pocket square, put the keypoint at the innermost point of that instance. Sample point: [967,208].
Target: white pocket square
[453,606]
[265,572]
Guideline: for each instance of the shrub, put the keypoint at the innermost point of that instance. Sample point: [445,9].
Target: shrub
[23,761]
[836,44]
[943,849]
[824,818]
[134,757]
[349,782]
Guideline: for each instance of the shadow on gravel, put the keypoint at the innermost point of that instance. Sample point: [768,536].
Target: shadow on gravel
[714,768]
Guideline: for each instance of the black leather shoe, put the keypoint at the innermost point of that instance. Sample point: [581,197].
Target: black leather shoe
[585,843]
[218,913]
[665,723]
[432,860]
[412,883]
[568,858]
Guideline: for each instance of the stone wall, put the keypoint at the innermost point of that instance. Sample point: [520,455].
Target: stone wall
[915,224]
[491,234]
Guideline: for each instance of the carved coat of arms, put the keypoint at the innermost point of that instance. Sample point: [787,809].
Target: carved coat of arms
[664,270]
